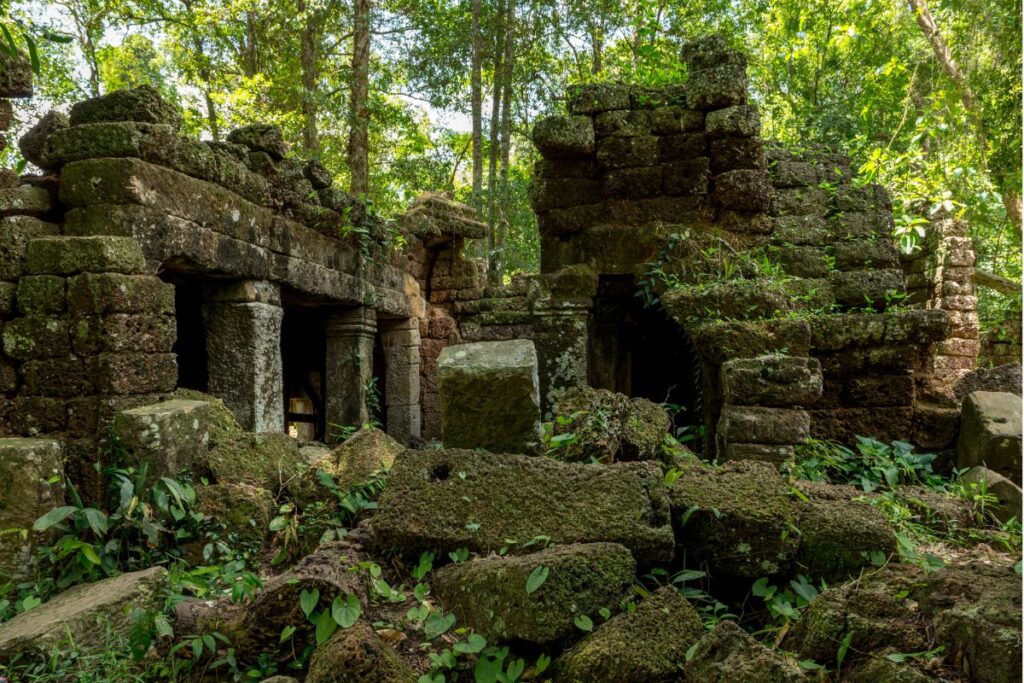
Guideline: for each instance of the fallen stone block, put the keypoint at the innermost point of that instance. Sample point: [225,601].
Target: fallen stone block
[609,427]
[441,500]
[265,460]
[27,468]
[164,436]
[990,433]
[492,597]
[490,395]
[728,653]
[738,518]
[242,511]
[839,537]
[1001,378]
[1008,493]
[83,615]
[357,654]
[365,454]
[644,646]
[143,104]
[220,421]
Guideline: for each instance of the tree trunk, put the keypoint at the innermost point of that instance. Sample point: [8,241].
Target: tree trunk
[596,31]
[999,283]
[496,273]
[309,58]
[250,62]
[476,97]
[492,169]
[943,55]
[359,123]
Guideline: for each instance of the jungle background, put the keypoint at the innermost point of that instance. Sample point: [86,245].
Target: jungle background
[397,97]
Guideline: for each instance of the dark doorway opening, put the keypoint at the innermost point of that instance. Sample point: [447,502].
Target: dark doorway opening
[639,351]
[304,357]
[190,344]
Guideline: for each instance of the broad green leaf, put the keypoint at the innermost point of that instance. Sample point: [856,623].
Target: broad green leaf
[97,521]
[53,517]
[308,601]
[536,578]
[346,610]
[325,627]
[473,644]
[286,633]
[584,623]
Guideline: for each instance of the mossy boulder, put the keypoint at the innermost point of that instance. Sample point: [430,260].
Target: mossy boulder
[608,427]
[143,104]
[646,645]
[441,500]
[83,615]
[357,655]
[839,537]
[728,653]
[220,422]
[878,608]
[367,453]
[491,595]
[265,460]
[242,511]
[738,518]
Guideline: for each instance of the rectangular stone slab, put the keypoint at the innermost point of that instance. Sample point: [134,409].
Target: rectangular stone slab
[441,500]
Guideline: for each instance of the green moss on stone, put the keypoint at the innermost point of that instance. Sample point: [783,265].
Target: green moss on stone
[490,594]
[265,460]
[221,423]
[646,645]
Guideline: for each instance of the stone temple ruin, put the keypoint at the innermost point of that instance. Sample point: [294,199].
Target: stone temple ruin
[141,260]
[684,260]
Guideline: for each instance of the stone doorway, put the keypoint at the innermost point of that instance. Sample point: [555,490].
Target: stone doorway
[639,351]
[190,343]
[303,355]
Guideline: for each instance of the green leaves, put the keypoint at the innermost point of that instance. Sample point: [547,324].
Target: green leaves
[473,644]
[346,610]
[536,578]
[53,517]
[584,623]
[437,623]
[325,627]
[308,601]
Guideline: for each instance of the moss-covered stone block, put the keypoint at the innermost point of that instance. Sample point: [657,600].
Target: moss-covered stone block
[490,594]
[490,395]
[94,254]
[30,470]
[772,381]
[564,137]
[103,293]
[166,436]
[15,234]
[357,655]
[990,433]
[143,104]
[594,98]
[36,336]
[839,537]
[643,646]
[609,427]
[25,200]
[41,294]
[15,75]
[264,460]
[242,511]
[738,518]
[444,499]
[221,423]
[728,653]
[367,454]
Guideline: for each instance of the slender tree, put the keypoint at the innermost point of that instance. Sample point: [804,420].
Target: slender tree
[359,133]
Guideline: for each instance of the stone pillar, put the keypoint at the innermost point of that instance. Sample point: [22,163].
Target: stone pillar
[401,341]
[561,304]
[349,367]
[243,348]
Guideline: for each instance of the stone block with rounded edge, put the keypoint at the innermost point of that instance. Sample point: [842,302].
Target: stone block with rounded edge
[27,468]
[990,433]
[85,615]
[492,594]
[643,646]
[490,395]
[441,500]
[564,137]
[143,104]
[166,436]
[94,254]
[1008,493]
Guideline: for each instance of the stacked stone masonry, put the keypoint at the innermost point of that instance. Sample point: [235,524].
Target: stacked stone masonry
[809,324]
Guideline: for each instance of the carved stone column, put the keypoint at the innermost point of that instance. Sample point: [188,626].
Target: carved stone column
[243,348]
[401,341]
[349,367]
